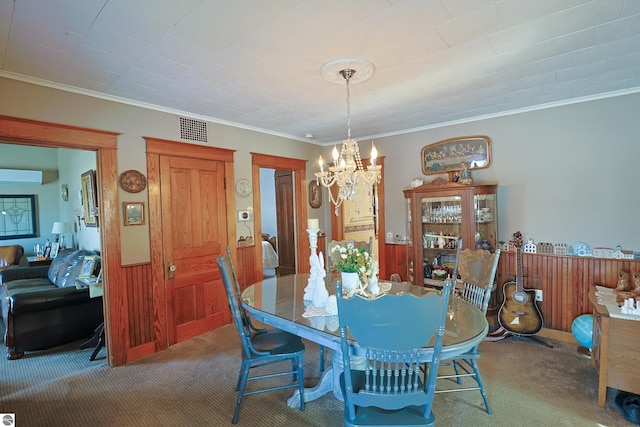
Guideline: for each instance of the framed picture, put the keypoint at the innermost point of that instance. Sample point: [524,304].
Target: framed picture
[55,248]
[133,213]
[47,252]
[19,216]
[315,194]
[88,264]
[448,156]
[89,200]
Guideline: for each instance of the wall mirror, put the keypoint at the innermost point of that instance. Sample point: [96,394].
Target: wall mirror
[447,156]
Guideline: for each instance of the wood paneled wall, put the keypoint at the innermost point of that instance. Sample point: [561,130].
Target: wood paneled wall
[396,258]
[565,282]
[248,269]
[139,303]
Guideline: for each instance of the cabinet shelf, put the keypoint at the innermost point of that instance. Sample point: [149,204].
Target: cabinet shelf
[435,223]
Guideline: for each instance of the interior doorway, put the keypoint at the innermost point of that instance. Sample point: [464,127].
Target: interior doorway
[296,217]
[277,211]
[43,134]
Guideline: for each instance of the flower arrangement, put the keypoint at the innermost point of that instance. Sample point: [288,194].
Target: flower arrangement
[439,274]
[350,259]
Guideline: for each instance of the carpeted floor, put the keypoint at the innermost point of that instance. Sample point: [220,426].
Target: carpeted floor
[192,384]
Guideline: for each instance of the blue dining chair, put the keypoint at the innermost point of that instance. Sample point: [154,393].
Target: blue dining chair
[477,269]
[246,319]
[384,387]
[262,348]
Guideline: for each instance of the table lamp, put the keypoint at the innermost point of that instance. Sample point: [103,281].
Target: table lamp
[60,228]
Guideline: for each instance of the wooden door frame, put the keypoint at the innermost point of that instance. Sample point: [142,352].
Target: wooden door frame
[15,130]
[299,167]
[155,148]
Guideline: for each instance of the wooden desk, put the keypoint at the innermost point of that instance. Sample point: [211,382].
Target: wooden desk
[616,351]
[278,302]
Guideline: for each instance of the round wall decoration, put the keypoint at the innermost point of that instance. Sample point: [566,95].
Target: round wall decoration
[243,187]
[132,181]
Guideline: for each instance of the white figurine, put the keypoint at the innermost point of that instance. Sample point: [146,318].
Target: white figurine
[374,286]
[629,307]
[320,293]
[314,262]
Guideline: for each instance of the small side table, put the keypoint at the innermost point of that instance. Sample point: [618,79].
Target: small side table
[98,338]
[33,261]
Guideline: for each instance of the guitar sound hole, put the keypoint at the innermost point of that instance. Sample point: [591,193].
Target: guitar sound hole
[520,297]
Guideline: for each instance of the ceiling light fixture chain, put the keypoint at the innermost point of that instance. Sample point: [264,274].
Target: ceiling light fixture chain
[347,170]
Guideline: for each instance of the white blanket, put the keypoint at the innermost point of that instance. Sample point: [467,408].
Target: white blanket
[269,256]
[607,297]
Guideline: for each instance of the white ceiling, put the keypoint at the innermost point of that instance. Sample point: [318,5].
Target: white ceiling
[255,63]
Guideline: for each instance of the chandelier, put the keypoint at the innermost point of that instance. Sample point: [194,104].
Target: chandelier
[347,171]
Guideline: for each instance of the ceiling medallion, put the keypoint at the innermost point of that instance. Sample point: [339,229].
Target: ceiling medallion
[362,70]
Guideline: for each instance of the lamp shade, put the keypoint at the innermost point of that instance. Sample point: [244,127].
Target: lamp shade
[60,228]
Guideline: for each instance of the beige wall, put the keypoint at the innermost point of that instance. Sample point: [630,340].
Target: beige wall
[59,166]
[565,174]
[20,99]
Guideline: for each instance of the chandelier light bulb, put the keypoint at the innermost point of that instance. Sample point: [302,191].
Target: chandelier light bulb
[335,155]
[374,154]
[321,163]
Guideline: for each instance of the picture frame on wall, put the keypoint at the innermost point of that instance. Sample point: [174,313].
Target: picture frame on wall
[89,199]
[133,213]
[448,155]
[315,194]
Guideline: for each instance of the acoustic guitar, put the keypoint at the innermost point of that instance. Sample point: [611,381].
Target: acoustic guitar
[519,313]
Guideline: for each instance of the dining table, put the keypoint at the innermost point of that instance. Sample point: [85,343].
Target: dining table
[279,302]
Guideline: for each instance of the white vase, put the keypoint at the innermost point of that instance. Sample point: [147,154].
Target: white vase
[350,281]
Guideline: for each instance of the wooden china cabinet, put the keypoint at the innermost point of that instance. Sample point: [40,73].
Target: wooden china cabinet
[453,209]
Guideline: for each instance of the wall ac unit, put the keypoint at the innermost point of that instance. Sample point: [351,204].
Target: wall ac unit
[15,176]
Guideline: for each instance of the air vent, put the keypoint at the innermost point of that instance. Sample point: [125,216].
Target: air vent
[193,130]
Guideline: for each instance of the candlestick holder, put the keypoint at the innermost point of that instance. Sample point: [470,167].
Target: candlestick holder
[314,264]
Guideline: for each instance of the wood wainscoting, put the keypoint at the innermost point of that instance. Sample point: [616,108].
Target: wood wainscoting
[248,269]
[565,282]
[140,303]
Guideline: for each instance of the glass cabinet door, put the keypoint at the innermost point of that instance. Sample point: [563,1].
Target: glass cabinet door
[485,212]
[441,216]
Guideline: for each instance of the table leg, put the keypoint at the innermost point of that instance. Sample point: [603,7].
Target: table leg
[325,385]
[97,340]
[329,382]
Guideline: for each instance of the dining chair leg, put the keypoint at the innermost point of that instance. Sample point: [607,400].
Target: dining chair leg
[456,369]
[243,384]
[478,379]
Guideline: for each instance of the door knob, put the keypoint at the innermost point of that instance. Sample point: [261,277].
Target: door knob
[172,268]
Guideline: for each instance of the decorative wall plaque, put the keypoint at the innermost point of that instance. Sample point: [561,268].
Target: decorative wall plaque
[132,181]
